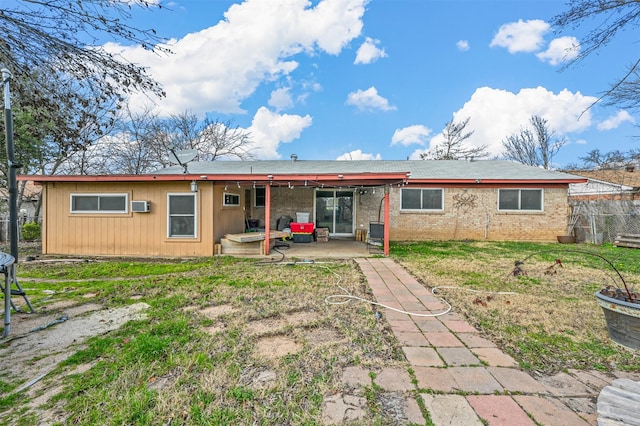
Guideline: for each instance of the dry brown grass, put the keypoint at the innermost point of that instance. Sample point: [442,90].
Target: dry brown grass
[551,321]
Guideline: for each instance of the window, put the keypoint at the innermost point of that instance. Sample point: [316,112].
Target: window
[421,199]
[520,199]
[99,203]
[230,199]
[182,215]
[260,197]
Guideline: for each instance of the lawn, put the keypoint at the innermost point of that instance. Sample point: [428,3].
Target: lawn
[547,319]
[225,341]
[239,341]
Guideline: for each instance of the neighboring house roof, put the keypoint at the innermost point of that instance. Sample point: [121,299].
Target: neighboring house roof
[31,191]
[371,172]
[598,187]
[620,177]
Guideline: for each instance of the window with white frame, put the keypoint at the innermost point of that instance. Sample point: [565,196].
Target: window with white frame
[182,215]
[418,199]
[520,199]
[230,200]
[100,203]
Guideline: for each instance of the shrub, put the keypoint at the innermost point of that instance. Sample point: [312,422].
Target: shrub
[31,231]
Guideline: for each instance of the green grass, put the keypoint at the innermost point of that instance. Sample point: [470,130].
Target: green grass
[552,322]
[170,368]
[167,369]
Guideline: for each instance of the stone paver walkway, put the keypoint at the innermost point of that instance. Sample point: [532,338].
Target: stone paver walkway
[464,379]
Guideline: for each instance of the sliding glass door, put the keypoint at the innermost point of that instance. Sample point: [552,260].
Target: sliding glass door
[335,210]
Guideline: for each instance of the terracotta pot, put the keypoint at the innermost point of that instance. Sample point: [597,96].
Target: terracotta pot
[623,320]
[566,239]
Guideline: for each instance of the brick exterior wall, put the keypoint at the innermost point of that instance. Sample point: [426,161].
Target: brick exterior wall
[469,213]
[474,215]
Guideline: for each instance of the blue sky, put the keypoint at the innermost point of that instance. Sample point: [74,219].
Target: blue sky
[379,79]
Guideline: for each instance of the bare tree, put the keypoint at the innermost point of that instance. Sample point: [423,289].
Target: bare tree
[51,36]
[609,17]
[141,143]
[453,147]
[533,146]
[70,88]
[213,139]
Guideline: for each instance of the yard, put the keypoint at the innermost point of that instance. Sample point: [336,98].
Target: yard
[238,341]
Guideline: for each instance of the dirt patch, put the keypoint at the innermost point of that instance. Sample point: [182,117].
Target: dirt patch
[213,312]
[215,329]
[276,347]
[265,326]
[301,318]
[37,351]
[322,336]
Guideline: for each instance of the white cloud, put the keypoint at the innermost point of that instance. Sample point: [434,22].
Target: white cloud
[358,155]
[215,69]
[581,142]
[521,36]
[463,45]
[269,129]
[281,99]
[496,114]
[369,52]
[416,134]
[368,100]
[561,49]
[616,120]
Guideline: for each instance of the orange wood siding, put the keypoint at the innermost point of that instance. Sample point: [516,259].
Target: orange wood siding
[130,234]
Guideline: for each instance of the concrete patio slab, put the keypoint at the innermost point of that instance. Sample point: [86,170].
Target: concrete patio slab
[495,357]
[450,410]
[549,411]
[499,410]
[458,357]
[422,357]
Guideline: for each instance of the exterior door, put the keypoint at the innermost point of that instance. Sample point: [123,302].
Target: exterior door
[335,210]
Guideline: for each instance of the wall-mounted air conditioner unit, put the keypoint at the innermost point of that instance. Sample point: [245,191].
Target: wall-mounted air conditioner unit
[141,206]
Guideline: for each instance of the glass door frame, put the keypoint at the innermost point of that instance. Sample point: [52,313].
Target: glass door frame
[333,222]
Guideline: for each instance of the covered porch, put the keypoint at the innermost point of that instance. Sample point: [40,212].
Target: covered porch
[335,248]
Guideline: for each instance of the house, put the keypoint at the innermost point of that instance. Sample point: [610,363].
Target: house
[607,184]
[187,211]
[607,205]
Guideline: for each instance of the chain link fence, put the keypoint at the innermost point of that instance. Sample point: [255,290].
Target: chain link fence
[22,219]
[598,222]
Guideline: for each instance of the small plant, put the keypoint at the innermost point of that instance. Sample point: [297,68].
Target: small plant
[31,231]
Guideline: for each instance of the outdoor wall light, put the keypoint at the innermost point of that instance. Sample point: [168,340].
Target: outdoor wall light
[340,176]
[194,186]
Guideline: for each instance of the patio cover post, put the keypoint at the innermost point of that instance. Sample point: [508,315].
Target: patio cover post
[386,220]
[267,217]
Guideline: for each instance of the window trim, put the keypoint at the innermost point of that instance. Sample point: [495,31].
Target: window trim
[519,209]
[195,215]
[255,197]
[224,199]
[99,194]
[441,209]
